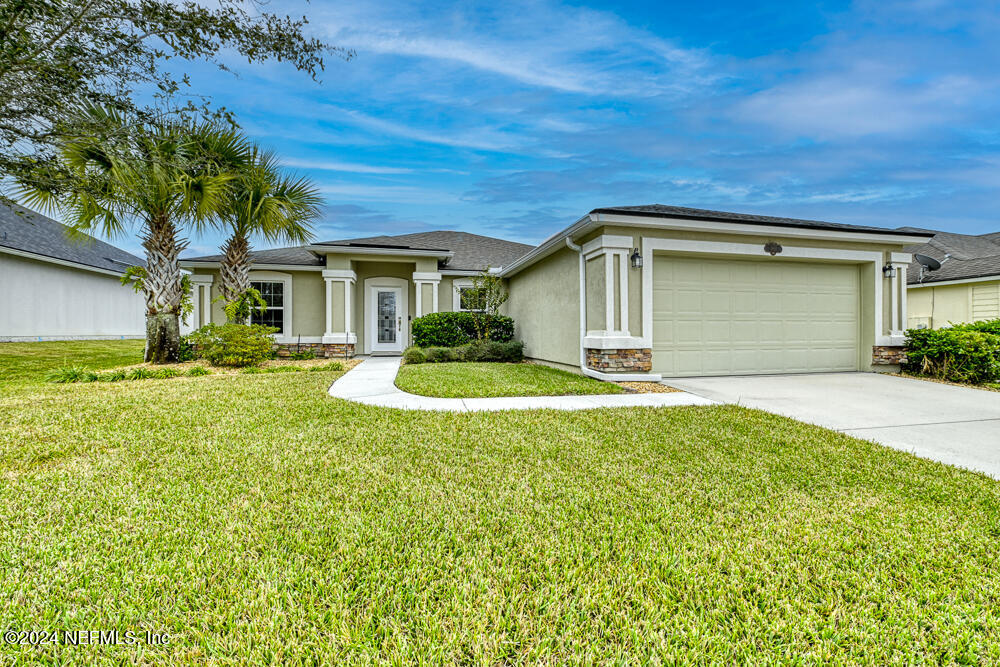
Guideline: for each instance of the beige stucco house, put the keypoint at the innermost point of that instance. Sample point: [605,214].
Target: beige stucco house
[631,292]
[965,289]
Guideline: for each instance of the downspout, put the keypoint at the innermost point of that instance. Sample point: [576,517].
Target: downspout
[583,302]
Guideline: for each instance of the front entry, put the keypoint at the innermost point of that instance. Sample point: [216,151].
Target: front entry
[385,319]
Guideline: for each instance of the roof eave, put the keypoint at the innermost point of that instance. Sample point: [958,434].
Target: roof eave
[374,250]
[60,261]
[596,219]
[989,277]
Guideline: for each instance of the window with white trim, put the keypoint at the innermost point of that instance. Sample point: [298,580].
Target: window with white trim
[273,293]
[470,298]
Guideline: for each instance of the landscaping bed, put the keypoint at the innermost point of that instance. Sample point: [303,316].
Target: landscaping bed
[477,380]
[256,521]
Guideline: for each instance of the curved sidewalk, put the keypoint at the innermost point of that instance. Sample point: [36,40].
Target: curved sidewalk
[372,382]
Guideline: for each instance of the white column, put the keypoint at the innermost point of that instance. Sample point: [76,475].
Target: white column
[421,278]
[202,296]
[897,287]
[623,291]
[329,306]
[347,278]
[609,291]
[348,288]
[902,297]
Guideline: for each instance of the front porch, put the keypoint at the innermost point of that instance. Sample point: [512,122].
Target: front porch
[354,304]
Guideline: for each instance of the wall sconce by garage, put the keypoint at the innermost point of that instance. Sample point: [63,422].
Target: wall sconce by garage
[889,271]
[636,259]
[772,248]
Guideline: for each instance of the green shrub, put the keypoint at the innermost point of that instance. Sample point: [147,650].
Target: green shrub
[197,371]
[234,344]
[960,353]
[68,374]
[113,376]
[414,355]
[332,366]
[458,328]
[302,355]
[509,352]
[165,373]
[188,350]
[141,374]
[435,355]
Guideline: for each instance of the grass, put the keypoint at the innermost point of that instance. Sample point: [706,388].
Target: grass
[472,380]
[255,520]
[29,362]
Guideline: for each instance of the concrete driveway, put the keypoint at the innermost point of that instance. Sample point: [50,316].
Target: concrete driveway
[955,425]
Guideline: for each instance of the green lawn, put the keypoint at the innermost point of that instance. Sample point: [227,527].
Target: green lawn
[473,380]
[27,362]
[255,520]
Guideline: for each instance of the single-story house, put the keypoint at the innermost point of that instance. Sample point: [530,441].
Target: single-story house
[630,292]
[57,287]
[965,289]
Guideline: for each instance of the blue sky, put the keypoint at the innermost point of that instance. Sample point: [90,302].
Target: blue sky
[514,119]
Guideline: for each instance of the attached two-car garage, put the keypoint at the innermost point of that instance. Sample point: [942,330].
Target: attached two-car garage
[734,317]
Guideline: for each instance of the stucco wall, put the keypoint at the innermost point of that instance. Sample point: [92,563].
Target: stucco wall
[40,299]
[936,306]
[308,299]
[545,305]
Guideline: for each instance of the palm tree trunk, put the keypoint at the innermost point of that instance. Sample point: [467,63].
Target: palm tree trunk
[234,272]
[163,290]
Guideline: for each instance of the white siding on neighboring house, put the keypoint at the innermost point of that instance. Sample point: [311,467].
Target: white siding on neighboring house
[985,302]
[42,300]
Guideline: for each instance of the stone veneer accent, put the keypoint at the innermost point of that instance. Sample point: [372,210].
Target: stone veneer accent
[620,361]
[320,349]
[888,355]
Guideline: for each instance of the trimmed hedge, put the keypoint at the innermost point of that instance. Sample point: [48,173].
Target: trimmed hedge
[959,353]
[459,328]
[233,344]
[509,352]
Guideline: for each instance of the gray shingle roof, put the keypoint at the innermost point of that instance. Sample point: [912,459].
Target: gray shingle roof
[293,256]
[472,252]
[970,256]
[27,231]
[661,211]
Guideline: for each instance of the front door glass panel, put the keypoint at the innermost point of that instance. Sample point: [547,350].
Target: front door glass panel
[387,317]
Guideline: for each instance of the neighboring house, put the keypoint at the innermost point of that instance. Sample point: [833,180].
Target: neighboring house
[632,292]
[53,287]
[965,289]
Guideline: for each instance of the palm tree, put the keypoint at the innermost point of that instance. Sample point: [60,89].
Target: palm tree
[262,202]
[154,174]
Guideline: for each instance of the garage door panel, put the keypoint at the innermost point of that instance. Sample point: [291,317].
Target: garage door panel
[718,317]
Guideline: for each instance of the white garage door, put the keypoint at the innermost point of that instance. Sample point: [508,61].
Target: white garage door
[735,317]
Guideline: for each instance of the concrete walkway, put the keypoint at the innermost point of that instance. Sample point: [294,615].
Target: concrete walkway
[955,425]
[372,382]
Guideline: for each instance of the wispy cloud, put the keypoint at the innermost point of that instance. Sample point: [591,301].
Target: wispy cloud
[350,167]
[513,119]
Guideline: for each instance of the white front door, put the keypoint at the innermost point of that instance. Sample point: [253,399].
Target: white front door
[385,320]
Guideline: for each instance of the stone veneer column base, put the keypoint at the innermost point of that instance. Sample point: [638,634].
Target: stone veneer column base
[620,361]
[326,350]
[888,358]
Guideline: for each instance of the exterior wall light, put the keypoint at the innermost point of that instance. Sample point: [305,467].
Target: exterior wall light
[889,271]
[636,259]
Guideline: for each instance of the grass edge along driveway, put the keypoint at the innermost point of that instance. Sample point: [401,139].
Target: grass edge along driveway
[482,379]
[254,519]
